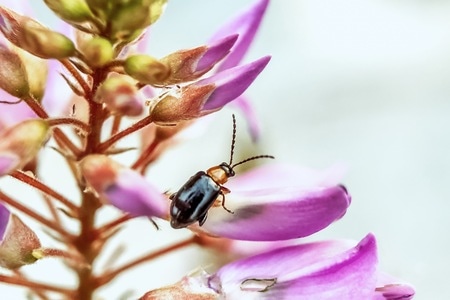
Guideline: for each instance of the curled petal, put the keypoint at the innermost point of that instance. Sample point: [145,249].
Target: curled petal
[231,83]
[326,270]
[277,214]
[133,194]
[245,24]
[215,52]
[390,288]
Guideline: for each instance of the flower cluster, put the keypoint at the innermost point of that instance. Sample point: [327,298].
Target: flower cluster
[93,76]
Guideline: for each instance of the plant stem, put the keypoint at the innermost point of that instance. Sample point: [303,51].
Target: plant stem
[36,285]
[110,275]
[45,189]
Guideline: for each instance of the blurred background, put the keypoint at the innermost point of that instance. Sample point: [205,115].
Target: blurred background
[363,83]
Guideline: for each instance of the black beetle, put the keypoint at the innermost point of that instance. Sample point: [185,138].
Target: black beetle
[193,200]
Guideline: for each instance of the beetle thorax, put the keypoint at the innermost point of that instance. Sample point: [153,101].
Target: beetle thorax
[220,173]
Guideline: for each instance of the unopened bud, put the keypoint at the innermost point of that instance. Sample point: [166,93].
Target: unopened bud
[120,95]
[188,65]
[146,69]
[129,18]
[33,37]
[122,187]
[20,143]
[13,76]
[37,70]
[97,51]
[17,241]
[71,11]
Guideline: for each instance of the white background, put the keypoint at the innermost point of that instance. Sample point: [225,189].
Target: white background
[365,83]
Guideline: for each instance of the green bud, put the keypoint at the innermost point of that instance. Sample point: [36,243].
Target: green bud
[37,70]
[129,18]
[97,51]
[72,11]
[46,43]
[13,75]
[146,69]
[33,37]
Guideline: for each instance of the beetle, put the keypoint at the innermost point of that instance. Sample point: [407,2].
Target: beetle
[202,191]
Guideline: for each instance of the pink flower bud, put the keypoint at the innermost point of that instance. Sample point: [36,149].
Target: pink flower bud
[123,187]
[120,95]
[188,65]
[17,241]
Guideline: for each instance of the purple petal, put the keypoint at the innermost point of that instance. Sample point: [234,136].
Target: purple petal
[277,214]
[231,83]
[57,93]
[8,162]
[285,175]
[246,25]
[325,270]
[4,219]
[11,114]
[216,51]
[133,194]
[390,288]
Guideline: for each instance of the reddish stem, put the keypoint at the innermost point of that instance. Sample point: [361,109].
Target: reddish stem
[69,121]
[114,223]
[74,72]
[102,147]
[110,275]
[31,213]
[36,285]
[45,189]
[145,154]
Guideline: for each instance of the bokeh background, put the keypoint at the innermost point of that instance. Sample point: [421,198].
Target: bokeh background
[362,83]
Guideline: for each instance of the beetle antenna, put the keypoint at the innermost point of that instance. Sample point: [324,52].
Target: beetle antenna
[252,158]
[233,140]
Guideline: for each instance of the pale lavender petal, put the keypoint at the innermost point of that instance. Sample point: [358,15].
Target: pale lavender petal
[246,25]
[216,51]
[8,162]
[286,175]
[57,93]
[11,114]
[4,219]
[231,83]
[390,288]
[277,214]
[133,194]
[253,124]
[325,270]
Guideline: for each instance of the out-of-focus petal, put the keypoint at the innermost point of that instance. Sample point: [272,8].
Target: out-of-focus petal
[133,194]
[326,270]
[4,219]
[277,214]
[8,162]
[246,25]
[390,288]
[253,123]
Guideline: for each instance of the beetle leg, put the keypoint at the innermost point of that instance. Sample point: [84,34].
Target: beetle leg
[223,200]
[202,219]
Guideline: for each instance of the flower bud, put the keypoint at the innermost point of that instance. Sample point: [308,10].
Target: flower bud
[20,143]
[146,69]
[33,37]
[193,286]
[129,18]
[207,95]
[37,70]
[13,76]
[188,65]
[17,241]
[120,95]
[97,51]
[71,11]
[122,187]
